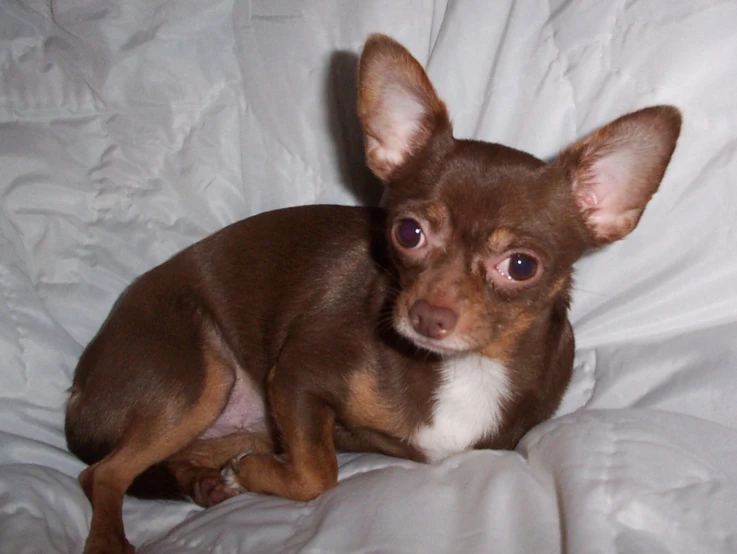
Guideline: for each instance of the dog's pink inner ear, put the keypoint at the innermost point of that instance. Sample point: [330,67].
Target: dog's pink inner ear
[395,130]
[616,170]
[398,106]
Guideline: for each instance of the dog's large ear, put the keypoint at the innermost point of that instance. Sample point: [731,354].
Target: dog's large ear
[398,106]
[615,171]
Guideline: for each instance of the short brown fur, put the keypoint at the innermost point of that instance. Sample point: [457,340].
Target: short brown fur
[342,321]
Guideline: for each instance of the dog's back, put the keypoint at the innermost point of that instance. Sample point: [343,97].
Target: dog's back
[244,285]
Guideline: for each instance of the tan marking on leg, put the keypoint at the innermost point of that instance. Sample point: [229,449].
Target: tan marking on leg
[308,468]
[367,408]
[309,465]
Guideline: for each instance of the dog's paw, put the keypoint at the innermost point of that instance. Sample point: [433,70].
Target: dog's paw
[211,489]
[230,474]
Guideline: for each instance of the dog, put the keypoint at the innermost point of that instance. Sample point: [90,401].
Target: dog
[432,326]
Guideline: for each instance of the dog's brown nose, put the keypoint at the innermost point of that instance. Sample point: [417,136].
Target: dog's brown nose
[432,321]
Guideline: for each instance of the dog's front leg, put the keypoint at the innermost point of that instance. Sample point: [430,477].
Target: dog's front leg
[308,466]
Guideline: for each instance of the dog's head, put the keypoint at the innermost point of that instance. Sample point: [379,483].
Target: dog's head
[485,236]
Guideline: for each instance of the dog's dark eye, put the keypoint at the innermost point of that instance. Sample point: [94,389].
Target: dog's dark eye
[408,234]
[522,267]
[518,267]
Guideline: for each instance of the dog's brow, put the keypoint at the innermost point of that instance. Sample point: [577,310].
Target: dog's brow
[500,239]
[437,214]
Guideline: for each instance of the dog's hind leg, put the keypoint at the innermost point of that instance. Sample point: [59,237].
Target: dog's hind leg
[149,437]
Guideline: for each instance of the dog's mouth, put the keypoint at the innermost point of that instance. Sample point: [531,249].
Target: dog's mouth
[448,346]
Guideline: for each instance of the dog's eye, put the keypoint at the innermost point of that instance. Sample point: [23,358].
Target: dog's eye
[518,267]
[408,233]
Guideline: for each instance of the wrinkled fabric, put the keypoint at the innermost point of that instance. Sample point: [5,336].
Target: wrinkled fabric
[129,130]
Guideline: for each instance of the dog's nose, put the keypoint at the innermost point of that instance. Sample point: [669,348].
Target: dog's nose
[432,321]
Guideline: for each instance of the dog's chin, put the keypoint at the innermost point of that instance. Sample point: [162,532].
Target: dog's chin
[443,348]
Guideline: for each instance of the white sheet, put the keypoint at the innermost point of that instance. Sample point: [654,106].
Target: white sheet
[130,129]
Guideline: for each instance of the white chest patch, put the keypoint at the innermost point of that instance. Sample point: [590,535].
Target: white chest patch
[468,406]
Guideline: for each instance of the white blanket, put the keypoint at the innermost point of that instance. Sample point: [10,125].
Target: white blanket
[130,129]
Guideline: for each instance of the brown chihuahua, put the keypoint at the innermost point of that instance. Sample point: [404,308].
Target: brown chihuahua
[433,327]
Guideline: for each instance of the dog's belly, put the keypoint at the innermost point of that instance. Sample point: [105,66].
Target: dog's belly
[244,410]
[468,406]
